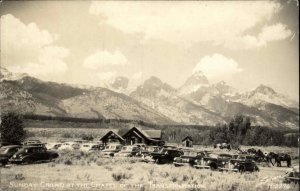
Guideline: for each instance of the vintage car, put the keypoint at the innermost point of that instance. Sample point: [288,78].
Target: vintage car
[246,157]
[166,155]
[53,146]
[111,149]
[4,143]
[69,146]
[146,151]
[213,161]
[31,141]
[96,147]
[128,151]
[240,165]
[188,158]
[31,154]
[6,152]
[86,147]
[292,175]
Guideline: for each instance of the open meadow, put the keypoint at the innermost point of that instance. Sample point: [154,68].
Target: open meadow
[90,171]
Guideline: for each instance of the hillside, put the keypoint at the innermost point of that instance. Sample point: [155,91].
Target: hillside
[196,102]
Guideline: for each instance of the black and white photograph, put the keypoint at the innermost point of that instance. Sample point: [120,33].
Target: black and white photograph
[149,95]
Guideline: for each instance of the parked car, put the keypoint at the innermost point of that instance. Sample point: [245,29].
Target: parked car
[146,151]
[213,161]
[292,175]
[240,164]
[4,143]
[97,147]
[37,145]
[166,155]
[53,146]
[111,149]
[6,152]
[188,158]
[246,157]
[86,147]
[69,146]
[128,151]
[31,154]
[31,141]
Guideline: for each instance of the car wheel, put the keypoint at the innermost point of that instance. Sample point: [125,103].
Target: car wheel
[213,166]
[157,161]
[242,169]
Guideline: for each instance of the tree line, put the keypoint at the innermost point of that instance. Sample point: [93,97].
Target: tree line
[238,131]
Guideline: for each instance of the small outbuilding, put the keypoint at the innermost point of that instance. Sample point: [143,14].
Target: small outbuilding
[187,141]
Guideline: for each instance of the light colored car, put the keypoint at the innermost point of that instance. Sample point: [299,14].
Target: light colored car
[53,146]
[111,149]
[69,146]
[31,141]
[128,151]
[86,147]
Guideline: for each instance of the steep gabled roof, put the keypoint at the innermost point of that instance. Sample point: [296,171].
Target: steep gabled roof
[112,132]
[187,137]
[148,134]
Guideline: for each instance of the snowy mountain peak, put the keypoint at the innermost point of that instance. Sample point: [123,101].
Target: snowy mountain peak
[193,83]
[263,89]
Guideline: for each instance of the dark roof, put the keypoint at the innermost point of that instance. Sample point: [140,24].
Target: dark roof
[149,134]
[187,137]
[114,132]
[155,134]
[102,132]
[11,146]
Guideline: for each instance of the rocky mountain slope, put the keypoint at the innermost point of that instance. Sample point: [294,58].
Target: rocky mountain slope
[31,95]
[197,101]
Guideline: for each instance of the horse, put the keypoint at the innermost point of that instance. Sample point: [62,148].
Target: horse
[278,158]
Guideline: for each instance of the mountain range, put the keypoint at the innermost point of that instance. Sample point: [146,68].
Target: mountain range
[196,102]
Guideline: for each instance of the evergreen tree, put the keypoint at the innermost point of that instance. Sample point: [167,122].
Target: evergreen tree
[12,128]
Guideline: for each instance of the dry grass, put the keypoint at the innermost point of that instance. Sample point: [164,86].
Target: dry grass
[89,171]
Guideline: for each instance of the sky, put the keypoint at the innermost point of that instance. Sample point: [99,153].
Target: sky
[244,43]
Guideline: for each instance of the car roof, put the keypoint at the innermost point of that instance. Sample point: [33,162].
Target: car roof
[11,146]
[28,147]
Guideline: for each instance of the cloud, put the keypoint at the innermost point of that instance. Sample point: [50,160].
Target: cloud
[18,35]
[268,34]
[216,22]
[217,67]
[106,77]
[101,59]
[28,49]
[49,62]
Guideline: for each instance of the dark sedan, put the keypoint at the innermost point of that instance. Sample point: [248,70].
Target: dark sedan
[188,158]
[166,155]
[7,152]
[31,154]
